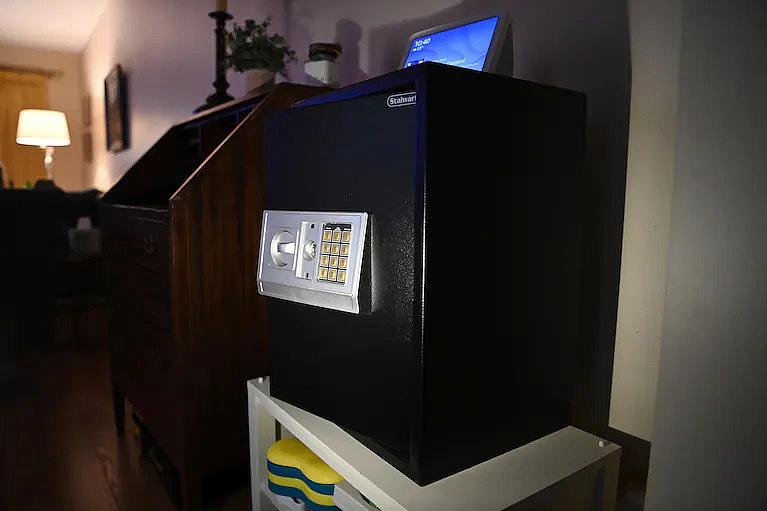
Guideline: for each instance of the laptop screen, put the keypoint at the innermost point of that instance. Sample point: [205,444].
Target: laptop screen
[463,46]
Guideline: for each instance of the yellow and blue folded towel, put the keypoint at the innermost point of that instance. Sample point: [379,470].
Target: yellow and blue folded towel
[295,471]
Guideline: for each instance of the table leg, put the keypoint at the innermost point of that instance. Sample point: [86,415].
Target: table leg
[118,400]
[262,431]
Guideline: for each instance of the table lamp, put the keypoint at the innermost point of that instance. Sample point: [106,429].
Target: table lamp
[44,128]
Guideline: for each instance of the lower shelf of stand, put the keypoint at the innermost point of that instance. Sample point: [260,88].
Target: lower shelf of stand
[281,503]
[494,485]
[345,498]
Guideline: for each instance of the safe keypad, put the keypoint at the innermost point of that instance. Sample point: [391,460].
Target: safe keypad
[334,253]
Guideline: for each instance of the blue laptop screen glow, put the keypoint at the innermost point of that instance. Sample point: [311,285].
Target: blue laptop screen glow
[464,46]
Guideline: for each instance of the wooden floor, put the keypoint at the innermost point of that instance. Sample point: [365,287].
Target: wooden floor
[59,451]
[58,448]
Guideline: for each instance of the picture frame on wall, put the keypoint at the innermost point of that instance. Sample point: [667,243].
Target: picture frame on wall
[116,110]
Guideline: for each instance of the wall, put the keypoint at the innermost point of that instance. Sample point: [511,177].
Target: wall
[167,52]
[351,23]
[710,421]
[655,46]
[577,45]
[64,94]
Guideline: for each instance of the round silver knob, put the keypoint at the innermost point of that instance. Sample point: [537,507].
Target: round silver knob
[310,250]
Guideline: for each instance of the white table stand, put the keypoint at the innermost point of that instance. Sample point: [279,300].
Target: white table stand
[569,469]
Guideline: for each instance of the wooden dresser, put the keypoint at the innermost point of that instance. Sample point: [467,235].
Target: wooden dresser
[187,326]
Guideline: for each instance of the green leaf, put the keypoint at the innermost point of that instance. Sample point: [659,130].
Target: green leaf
[252,47]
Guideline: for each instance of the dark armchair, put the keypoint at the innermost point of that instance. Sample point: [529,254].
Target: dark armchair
[33,250]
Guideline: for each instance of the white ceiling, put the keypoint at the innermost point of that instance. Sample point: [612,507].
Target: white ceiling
[53,24]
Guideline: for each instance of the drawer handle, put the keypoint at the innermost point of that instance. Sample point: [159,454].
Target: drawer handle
[149,244]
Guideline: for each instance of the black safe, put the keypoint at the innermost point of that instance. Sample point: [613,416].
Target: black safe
[452,336]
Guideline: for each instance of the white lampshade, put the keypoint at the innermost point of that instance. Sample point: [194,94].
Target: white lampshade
[44,128]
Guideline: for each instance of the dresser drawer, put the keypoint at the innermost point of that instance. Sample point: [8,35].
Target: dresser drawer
[143,289]
[137,344]
[143,366]
[139,235]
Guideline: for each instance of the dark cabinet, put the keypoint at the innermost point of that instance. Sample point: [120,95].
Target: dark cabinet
[187,326]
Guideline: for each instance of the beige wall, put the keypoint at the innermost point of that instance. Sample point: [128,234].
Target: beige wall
[352,23]
[64,94]
[655,50]
[166,50]
[709,437]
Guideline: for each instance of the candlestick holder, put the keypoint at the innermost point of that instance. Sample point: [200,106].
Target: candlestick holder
[221,85]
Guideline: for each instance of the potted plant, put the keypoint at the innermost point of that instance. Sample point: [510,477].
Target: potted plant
[251,50]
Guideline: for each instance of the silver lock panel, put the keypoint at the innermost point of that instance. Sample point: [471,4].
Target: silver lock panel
[312,257]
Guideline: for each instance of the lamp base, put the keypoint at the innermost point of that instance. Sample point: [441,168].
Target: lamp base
[45,184]
[48,162]
[220,95]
